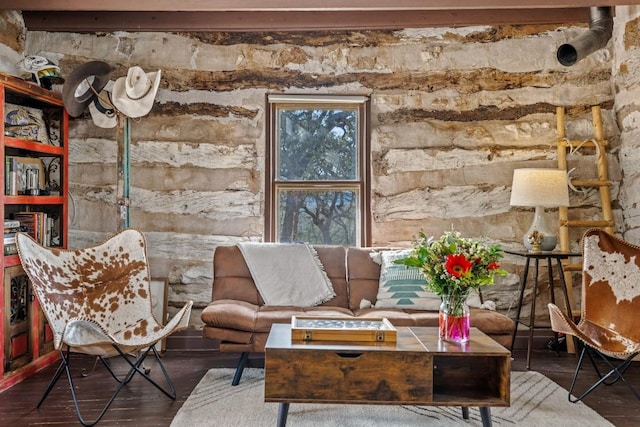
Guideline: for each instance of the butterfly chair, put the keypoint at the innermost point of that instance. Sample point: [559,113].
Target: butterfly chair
[609,326]
[98,302]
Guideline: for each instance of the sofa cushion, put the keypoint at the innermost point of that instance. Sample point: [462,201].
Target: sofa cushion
[404,287]
[487,321]
[244,316]
[401,286]
[363,276]
[232,279]
[399,317]
[333,259]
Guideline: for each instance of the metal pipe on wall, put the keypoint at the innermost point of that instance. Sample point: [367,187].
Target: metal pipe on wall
[600,30]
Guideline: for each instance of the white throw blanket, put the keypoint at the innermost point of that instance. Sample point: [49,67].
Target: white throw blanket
[287,273]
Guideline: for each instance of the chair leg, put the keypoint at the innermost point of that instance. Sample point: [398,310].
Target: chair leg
[134,368]
[93,368]
[618,370]
[65,366]
[107,365]
[465,412]
[240,368]
[142,370]
[55,378]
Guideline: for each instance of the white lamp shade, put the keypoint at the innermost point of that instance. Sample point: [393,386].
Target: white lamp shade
[540,187]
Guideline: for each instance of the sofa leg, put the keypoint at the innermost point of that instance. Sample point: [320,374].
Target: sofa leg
[241,364]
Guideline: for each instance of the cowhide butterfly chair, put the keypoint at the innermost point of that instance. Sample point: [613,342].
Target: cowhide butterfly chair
[98,302]
[609,326]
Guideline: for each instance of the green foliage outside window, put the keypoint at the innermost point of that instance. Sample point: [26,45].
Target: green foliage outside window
[317,158]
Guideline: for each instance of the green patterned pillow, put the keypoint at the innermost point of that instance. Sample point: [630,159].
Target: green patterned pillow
[404,287]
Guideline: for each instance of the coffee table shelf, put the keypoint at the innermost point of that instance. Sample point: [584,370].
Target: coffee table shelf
[418,369]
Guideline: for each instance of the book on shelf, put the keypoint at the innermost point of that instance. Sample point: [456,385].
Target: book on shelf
[10,249]
[37,226]
[11,178]
[10,246]
[28,220]
[14,230]
[10,233]
[11,223]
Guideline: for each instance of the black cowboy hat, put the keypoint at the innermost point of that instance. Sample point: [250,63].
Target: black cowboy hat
[77,91]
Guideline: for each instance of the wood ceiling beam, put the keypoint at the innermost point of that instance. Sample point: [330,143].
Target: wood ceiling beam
[292,21]
[297,5]
[294,15]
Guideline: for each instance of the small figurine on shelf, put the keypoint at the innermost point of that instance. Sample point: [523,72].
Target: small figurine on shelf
[535,239]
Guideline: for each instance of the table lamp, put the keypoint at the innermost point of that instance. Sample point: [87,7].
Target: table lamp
[540,188]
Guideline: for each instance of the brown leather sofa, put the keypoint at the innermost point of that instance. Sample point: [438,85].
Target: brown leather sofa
[239,320]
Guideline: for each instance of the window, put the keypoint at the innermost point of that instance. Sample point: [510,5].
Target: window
[317,168]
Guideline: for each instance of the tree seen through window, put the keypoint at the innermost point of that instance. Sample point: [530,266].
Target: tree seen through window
[317,173]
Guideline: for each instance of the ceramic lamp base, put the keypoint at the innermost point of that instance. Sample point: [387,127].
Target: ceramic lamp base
[549,239]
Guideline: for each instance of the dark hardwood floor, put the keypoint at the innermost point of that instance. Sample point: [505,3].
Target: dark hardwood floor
[141,404]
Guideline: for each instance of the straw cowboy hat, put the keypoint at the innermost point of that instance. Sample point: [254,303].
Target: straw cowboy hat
[102,111]
[83,85]
[133,95]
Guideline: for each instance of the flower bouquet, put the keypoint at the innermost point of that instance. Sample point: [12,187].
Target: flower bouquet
[452,266]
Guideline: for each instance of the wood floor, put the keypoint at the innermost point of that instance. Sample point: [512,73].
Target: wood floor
[141,404]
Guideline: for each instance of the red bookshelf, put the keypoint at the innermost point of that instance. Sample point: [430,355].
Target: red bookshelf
[26,344]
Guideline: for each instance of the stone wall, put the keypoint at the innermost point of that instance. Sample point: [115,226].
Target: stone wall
[454,111]
[12,40]
[626,75]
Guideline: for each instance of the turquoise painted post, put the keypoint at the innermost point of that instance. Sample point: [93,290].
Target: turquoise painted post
[123,165]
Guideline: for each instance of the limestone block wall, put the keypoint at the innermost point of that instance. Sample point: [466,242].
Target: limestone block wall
[453,112]
[12,40]
[626,75]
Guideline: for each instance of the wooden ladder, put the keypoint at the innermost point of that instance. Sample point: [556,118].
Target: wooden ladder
[602,182]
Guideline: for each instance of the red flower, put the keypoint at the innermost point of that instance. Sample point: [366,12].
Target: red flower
[493,266]
[457,265]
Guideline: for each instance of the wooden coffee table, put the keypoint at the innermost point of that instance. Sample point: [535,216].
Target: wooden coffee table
[418,369]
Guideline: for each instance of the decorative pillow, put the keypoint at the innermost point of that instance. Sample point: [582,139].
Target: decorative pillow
[404,287]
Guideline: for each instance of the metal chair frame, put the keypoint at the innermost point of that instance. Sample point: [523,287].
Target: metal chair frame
[134,368]
[618,370]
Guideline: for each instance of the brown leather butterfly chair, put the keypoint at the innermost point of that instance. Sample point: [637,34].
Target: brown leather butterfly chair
[609,326]
[98,302]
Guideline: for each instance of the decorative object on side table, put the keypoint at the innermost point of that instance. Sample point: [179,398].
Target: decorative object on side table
[540,188]
[535,239]
[454,265]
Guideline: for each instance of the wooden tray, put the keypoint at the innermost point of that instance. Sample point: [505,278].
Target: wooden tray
[342,329]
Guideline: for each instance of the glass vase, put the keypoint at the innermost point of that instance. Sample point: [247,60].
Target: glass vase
[454,320]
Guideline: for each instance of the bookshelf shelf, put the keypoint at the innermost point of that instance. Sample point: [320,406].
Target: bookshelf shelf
[34,200]
[11,260]
[34,146]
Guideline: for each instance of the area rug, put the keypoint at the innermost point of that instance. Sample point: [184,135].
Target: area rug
[535,401]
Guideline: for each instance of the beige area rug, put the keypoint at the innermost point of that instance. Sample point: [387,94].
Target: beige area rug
[535,401]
